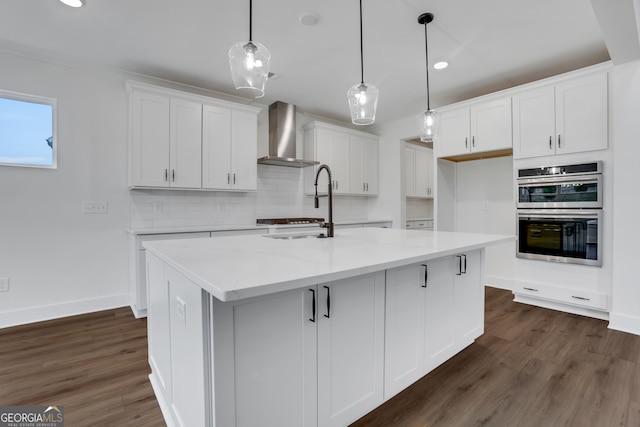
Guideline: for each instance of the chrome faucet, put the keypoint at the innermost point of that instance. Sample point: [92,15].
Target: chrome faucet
[327,225]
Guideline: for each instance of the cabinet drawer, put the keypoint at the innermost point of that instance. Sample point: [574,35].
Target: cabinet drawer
[579,297]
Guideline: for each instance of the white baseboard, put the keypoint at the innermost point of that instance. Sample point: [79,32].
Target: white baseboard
[567,308]
[56,311]
[624,323]
[498,282]
[164,407]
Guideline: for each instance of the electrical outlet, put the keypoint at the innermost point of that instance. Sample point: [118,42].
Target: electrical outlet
[181,309]
[157,206]
[4,284]
[94,207]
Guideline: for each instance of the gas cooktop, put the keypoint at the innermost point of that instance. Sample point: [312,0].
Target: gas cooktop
[279,221]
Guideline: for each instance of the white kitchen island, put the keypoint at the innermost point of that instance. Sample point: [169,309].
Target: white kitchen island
[254,330]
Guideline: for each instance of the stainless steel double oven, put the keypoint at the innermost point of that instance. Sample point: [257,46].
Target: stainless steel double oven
[559,212]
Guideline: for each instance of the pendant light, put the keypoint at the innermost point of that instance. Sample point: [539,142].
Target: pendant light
[362,98]
[427,120]
[250,62]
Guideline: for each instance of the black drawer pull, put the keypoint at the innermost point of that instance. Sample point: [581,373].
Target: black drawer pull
[530,289]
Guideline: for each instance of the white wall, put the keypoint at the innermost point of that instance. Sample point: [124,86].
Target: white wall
[625,89]
[390,203]
[60,261]
[484,204]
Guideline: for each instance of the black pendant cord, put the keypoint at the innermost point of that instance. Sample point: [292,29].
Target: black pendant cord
[426,51]
[250,20]
[361,48]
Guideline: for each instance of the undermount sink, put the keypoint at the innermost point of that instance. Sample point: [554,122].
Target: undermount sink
[294,236]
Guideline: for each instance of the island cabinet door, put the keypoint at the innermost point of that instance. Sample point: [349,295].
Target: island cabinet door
[404,326]
[440,314]
[350,348]
[265,352]
[469,297]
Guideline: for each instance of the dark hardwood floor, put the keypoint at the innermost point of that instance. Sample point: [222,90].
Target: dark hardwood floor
[95,365]
[532,367]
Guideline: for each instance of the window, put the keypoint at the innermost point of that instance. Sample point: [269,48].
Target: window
[27,130]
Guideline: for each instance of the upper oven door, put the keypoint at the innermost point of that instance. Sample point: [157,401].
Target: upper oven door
[558,192]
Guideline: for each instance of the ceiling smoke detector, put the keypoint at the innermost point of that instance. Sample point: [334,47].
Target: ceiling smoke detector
[309,18]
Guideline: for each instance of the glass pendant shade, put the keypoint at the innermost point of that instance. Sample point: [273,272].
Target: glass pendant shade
[250,62]
[363,100]
[428,125]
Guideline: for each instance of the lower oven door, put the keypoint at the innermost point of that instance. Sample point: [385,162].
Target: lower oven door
[569,236]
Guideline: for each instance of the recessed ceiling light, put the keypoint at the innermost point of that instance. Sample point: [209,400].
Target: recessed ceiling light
[73,3]
[440,65]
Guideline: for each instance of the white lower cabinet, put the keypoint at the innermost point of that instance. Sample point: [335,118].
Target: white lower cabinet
[308,357]
[434,310]
[322,355]
[177,342]
[350,320]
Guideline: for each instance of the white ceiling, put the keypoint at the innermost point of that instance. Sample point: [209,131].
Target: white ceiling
[490,45]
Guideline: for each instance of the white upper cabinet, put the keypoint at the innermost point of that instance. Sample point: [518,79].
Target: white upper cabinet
[418,171]
[477,128]
[229,149]
[149,154]
[569,117]
[351,155]
[180,140]
[185,143]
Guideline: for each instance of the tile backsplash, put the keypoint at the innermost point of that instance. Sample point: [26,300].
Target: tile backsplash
[280,194]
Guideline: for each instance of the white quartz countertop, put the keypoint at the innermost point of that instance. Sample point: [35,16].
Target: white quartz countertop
[195,229]
[237,267]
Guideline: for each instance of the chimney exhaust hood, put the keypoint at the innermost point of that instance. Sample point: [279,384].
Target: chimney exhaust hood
[282,138]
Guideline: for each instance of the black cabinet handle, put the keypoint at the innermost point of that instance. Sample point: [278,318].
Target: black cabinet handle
[529,289]
[426,275]
[328,315]
[559,142]
[550,142]
[313,305]
[465,264]
[459,273]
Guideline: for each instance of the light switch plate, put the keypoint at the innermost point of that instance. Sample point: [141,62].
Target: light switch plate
[95,207]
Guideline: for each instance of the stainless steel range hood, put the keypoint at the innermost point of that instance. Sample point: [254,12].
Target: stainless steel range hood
[282,137]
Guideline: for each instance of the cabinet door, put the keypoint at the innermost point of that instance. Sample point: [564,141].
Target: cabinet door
[453,136]
[356,165]
[582,114]
[158,326]
[423,168]
[332,149]
[491,125]
[244,150]
[185,169]
[410,171]
[370,166]
[534,123]
[188,379]
[468,297]
[274,350]
[404,327]
[216,147]
[440,314]
[149,140]
[350,348]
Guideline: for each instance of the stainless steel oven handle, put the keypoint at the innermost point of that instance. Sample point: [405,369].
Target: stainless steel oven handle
[553,180]
[552,213]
